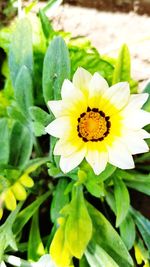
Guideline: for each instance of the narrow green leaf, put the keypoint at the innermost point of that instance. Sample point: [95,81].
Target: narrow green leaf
[123,66]
[7,237]
[20,52]
[143,225]
[98,257]
[127,231]
[108,239]
[21,139]
[78,230]
[23,90]
[122,200]
[56,68]
[16,114]
[47,28]
[35,245]
[138,181]
[4,141]
[59,199]
[24,216]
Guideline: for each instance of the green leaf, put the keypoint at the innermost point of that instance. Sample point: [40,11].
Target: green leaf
[122,200]
[109,170]
[7,237]
[4,141]
[98,257]
[21,139]
[123,66]
[138,181]
[147,104]
[40,116]
[47,28]
[56,68]
[88,57]
[35,245]
[38,129]
[95,189]
[16,114]
[59,199]
[143,225]
[23,90]
[108,239]
[83,262]
[78,230]
[127,231]
[24,216]
[20,52]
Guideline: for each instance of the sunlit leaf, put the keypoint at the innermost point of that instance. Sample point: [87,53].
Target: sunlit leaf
[122,207]
[108,239]
[98,257]
[78,233]
[127,231]
[56,68]
[20,52]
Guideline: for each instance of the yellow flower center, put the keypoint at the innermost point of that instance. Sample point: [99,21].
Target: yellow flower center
[93,125]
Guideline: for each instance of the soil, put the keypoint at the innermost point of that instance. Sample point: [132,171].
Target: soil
[138,6]
[108,31]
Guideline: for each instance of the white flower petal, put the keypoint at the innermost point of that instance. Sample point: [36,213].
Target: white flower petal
[68,147]
[61,127]
[81,79]
[136,101]
[56,107]
[136,119]
[118,95]
[97,160]
[69,163]
[144,134]
[119,156]
[134,143]
[98,85]
[69,91]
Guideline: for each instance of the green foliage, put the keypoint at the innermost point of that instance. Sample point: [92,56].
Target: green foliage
[143,225]
[98,257]
[60,199]
[122,207]
[28,212]
[128,232]
[4,141]
[56,68]
[77,232]
[24,90]
[35,245]
[21,139]
[20,52]
[107,238]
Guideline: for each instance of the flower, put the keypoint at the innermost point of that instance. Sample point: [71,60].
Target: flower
[97,122]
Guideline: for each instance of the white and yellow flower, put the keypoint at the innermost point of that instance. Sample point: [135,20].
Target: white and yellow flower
[97,122]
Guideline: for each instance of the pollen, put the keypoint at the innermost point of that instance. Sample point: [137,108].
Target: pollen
[93,125]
